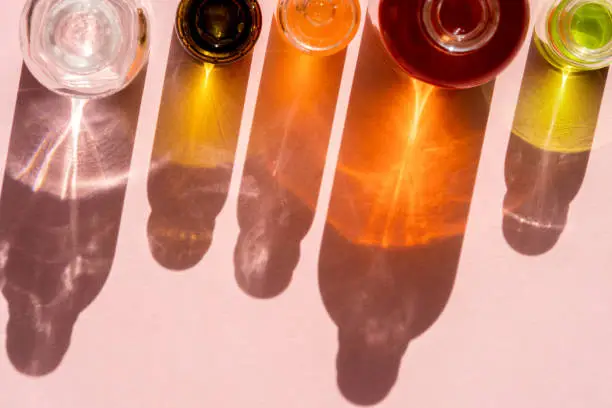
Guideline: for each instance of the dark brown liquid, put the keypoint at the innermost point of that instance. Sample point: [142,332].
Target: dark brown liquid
[218,31]
[460,16]
[404,35]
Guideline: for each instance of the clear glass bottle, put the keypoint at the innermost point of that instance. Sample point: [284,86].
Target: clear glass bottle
[218,31]
[452,43]
[576,35]
[84,48]
[319,27]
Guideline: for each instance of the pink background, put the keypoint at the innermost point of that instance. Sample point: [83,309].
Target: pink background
[517,331]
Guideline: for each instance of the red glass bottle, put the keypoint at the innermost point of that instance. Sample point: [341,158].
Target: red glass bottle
[452,43]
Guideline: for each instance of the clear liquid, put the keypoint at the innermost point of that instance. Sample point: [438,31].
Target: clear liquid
[84,48]
[82,37]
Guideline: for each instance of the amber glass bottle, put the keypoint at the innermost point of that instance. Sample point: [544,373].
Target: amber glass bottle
[218,31]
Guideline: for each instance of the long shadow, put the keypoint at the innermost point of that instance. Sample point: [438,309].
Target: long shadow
[193,155]
[548,152]
[289,138]
[60,210]
[397,216]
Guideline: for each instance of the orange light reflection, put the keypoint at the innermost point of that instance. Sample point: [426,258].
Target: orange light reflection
[294,115]
[407,199]
[422,93]
[409,157]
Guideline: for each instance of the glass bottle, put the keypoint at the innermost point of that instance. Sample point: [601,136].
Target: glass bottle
[84,48]
[576,35]
[218,31]
[319,27]
[452,43]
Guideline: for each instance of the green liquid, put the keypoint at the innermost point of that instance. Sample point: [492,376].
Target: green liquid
[591,26]
[588,27]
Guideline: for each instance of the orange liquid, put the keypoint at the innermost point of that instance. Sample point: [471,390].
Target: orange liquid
[408,160]
[321,27]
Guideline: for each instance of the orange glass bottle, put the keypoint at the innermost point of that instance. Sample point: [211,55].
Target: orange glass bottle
[320,27]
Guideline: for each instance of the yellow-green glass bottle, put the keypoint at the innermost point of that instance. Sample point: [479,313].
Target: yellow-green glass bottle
[576,35]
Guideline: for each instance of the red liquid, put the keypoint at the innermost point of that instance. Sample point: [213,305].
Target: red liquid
[410,45]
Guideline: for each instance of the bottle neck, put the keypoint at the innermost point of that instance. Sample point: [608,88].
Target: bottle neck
[580,32]
[460,26]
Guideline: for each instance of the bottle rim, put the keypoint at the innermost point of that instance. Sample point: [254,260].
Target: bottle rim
[461,42]
[293,37]
[566,49]
[81,88]
[182,32]
[399,62]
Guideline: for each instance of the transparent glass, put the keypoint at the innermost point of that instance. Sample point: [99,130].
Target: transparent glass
[321,27]
[481,23]
[576,35]
[452,43]
[84,48]
[218,31]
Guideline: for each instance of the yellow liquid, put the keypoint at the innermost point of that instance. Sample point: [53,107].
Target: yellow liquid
[321,27]
[558,110]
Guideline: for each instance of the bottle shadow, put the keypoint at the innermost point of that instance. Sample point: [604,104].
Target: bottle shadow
[60,210]
[548,152]
[381,299]
[289,137]
[193,154]
[397,216]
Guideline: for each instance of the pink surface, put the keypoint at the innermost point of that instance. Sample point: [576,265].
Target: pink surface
[518,331]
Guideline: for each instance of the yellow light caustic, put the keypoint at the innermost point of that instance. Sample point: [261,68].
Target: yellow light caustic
[196,125]
[558,110]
